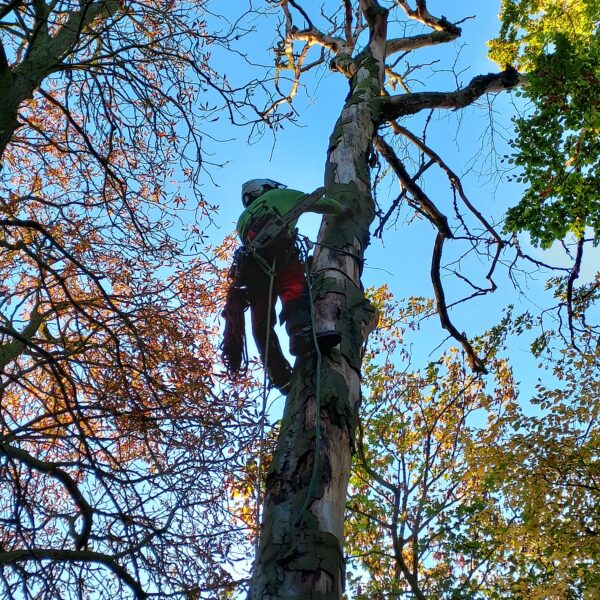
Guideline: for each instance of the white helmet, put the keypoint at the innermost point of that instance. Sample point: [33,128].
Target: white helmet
[254,188]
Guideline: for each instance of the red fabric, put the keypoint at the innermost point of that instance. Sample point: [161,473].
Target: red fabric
[289,281]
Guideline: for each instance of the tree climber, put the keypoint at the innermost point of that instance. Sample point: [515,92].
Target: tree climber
[250,283]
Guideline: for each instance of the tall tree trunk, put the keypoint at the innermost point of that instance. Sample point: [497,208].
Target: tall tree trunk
[300,554]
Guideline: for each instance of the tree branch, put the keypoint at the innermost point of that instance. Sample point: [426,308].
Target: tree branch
[456,184]
[408,183]
[38,554]
[53,470]
[12,5]
[444,232]
[44,55]
[474,361]
[392,107]
[423,15]
[302,12]
[570,285]
[11,350]
[421,41]
[3,60]
[383,219]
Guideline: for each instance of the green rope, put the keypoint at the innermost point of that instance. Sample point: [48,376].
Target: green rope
[310,243]
[271,274]
[313,475]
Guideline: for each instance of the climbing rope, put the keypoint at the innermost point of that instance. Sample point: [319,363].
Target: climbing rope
[263,414]
[355,256]
[313,475]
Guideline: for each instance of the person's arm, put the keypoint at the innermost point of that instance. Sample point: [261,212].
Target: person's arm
[284,200]
[326,205]
[243,224]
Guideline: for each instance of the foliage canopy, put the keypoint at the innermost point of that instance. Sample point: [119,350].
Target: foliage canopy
[556,146]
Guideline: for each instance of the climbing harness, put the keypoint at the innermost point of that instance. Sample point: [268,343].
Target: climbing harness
[233,346]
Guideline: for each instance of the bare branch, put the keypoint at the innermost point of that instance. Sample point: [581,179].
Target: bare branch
[301,11]
[393,107]
[570,285]
[426,205]
[12,5]
[38,554]
[456,184]
[423,15]
[384,219]
[421,41]
[452,177]
[475,362]
[441,222]
[10,350]
[61,475]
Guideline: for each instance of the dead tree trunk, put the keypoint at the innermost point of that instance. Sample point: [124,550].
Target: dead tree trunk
[301,542]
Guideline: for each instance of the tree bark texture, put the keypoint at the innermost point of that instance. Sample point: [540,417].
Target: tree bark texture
[300,555]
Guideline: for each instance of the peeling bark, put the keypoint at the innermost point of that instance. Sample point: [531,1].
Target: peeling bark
[300,553]
[421,41]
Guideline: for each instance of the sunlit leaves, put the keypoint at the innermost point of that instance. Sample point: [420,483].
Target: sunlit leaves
[557,148]
[544,474]
[460,491]
[413,484]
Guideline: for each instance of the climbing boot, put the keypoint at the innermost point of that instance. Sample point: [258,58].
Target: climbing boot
[302,342]
[281,377]
[278,368]
[298,323]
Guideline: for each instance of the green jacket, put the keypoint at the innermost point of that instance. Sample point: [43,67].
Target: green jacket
[281,201]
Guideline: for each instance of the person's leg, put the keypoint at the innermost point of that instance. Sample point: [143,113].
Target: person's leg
[262,309]
[292,289]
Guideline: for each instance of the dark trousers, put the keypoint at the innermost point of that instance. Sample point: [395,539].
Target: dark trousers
[289,283]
